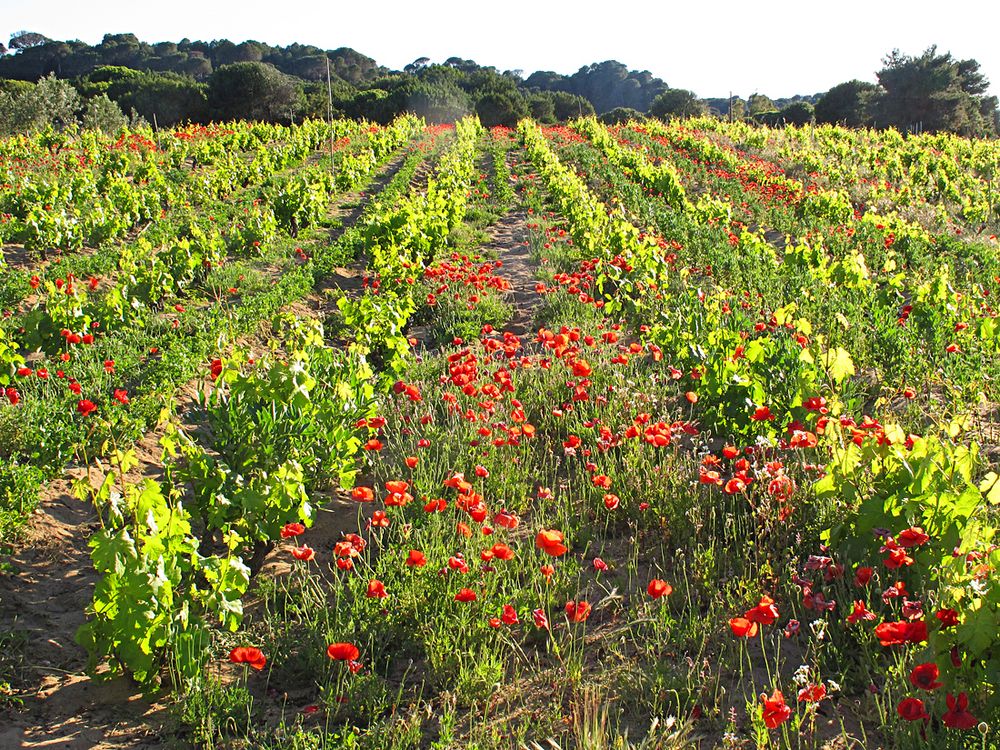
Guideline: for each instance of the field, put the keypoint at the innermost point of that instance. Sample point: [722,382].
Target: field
[660,435]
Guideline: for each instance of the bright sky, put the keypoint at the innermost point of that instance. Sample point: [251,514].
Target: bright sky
[779,48]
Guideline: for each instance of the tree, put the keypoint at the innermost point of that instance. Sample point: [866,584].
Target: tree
[621,114]
[50,102]
[848,104]
[797,113]
[100,113]
[417,65]
[677,103]
[27,40]
[253,91]
[758,104]
[567,106]
[934,92]
[501,108]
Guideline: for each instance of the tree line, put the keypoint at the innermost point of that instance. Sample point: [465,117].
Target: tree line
[48,82]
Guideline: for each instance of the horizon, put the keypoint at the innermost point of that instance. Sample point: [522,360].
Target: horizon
[741,59]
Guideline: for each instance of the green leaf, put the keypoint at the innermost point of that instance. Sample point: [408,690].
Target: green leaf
[838,363]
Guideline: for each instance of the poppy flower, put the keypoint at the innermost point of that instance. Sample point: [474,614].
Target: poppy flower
[411,462]
[13,396]
[776,711]
[742,627]
[658,588]
[912,537]
[578,611]
[465,595]
[304,553]
[373,445]
[550,541]
[548,571]
[863,575]
[216,369]
[948,617]
[509,615]
[86,407]
[957,717]
[376,589]
[764,613]
[290,530]
[924,676]
[416,559]
[343,651]
[121,396]
[502,552]
[541,621]
[380,520]
[860,612]
[599,564]
[912,709]
[248,655]
[363,494]
[812,693]
[611,501]
[901,632]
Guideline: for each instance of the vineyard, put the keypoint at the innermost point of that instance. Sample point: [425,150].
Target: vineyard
[340,435]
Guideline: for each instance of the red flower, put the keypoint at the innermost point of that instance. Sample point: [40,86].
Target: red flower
[376,589]
[863,575]
[898,633]
[121,396]
[948,617]
[912,709]
[550,542]
[924,676]
[86,407]
[812,693]
[860,612]
[509,615]
[541,621]
[343,651]
[465,595]
[305,553]
[13,396]
[912,537]
[411,462]
[658,588]
[290,530]
[380,520]
[611,501]
[416,559]
[248,655]
[956,716]
[363,494]
[216,370]
[765,612]
[742,627]
[578,611]
[776,711]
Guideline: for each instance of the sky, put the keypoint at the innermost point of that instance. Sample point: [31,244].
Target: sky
[779,48]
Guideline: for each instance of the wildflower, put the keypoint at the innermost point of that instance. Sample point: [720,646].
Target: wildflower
[658,588]
[957,717]
[290,530]
[912,709]
[776,711]
[248,655]
[924,676]
[550,542]
[343,651]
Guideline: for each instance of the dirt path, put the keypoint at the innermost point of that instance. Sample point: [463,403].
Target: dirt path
[43,594]
[508,239]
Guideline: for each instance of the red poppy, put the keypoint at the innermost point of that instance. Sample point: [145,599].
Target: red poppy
[924,676]
[578,611]
[550,542]
[465,595]
[776,711]
[764,613]
[863,575]
[363,494]
[948,617]
[376,589]
[912,709]
[304,552]
[509,615]
[541,621]
[292,529]
[121,396]
[86,407]
[658,588]
[611,501]
[13,396]
[912,537]
[343,651]
[742,627]
[899,633]
[812,693]
[373,445]
[416,559]
[411,462]
[216,370]
[380,520]
[248,655]
[860,612]
[957,717]
[502,552]
[548,571]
